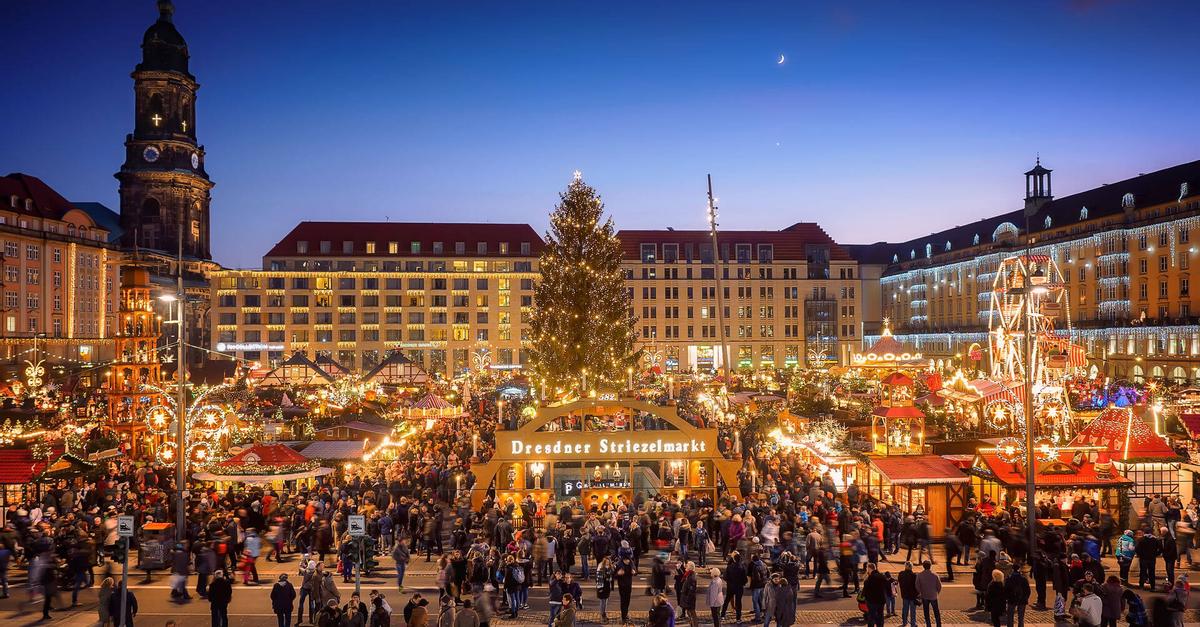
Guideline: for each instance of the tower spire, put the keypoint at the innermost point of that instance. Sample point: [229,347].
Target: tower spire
[166,10]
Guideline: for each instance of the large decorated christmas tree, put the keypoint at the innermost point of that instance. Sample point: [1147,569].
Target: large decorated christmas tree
[583,326]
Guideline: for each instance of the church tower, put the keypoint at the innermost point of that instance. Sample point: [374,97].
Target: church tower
[163,183]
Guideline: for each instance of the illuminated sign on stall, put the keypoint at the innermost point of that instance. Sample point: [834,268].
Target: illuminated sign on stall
[574,487]
[609,445]
[248,346]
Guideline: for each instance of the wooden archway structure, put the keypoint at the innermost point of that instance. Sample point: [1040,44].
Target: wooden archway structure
[536,447]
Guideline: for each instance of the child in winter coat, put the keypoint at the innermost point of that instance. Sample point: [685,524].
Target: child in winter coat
[893,590]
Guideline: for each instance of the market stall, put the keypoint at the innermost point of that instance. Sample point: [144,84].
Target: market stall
[1067,477]
[1137,452]
[272,464]
[897,426]
[819,444]
[428,410]
[297,370]
[601,450]
[396,370]
[930,482]
[18,467]
[966,399]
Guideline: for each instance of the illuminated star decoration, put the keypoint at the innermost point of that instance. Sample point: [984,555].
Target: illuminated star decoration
[578,175]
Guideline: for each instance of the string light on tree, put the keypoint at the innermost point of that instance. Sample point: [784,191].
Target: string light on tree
[582,328]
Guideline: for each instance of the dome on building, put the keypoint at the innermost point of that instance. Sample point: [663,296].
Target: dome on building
[163,48]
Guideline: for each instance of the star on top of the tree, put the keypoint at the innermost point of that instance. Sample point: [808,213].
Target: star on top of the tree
[578,175]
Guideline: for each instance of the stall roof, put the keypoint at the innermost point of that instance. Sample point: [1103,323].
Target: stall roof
[432,401]
[1191,422]
[397,369]
[265,455]
[1126,436]
[360,425]
[897,378]
[1083,476]
[985,390]
[18,466]
[334,449]
[918,469]
[904,411]
[932,399]
[297,370]
[331,367]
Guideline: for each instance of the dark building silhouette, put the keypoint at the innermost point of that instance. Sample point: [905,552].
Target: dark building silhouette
[164,188]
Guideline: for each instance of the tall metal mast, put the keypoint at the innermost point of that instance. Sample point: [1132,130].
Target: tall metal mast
[712,230]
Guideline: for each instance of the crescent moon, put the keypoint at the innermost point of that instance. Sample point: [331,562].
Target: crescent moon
[781,60]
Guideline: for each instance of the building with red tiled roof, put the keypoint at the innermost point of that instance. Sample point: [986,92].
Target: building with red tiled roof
[447,296]
[788,297]
[306,245]
[803,241]
[60,275]
[450,296]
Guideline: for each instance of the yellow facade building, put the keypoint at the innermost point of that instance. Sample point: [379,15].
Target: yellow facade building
[451,297]
[788,298]
[1125,250]
[60,276]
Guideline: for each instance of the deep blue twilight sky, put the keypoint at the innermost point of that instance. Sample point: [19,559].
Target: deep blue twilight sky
[888,119]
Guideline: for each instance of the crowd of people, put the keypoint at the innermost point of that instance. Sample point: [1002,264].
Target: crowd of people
[698,557]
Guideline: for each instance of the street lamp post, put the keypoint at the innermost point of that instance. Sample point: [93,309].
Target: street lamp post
[180,414]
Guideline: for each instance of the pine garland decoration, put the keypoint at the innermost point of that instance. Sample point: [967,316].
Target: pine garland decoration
[583,326]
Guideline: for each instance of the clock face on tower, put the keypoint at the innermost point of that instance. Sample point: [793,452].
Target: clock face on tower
[150,154]
[195,161]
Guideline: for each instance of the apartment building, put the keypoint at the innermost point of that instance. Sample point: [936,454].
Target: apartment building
[59,275]
[450,296]
[1124,250]
[789,297]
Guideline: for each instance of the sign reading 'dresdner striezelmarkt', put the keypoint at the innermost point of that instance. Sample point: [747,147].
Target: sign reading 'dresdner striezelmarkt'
[610,446]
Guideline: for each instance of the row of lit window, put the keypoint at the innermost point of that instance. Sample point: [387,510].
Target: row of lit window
[325,336]
[371,300]
[414,247]
[367,318]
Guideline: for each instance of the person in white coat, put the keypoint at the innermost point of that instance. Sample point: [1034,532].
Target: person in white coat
[716,596]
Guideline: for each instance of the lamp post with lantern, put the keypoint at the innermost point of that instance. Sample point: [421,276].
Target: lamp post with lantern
[180,407]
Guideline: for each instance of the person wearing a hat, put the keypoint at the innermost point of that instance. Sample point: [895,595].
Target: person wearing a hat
[716,595]
[779,602]
[220,594]
[283,597]
[686,593]
[1125,552]
[330,614]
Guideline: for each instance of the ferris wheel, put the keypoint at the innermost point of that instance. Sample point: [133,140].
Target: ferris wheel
[1029,295]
